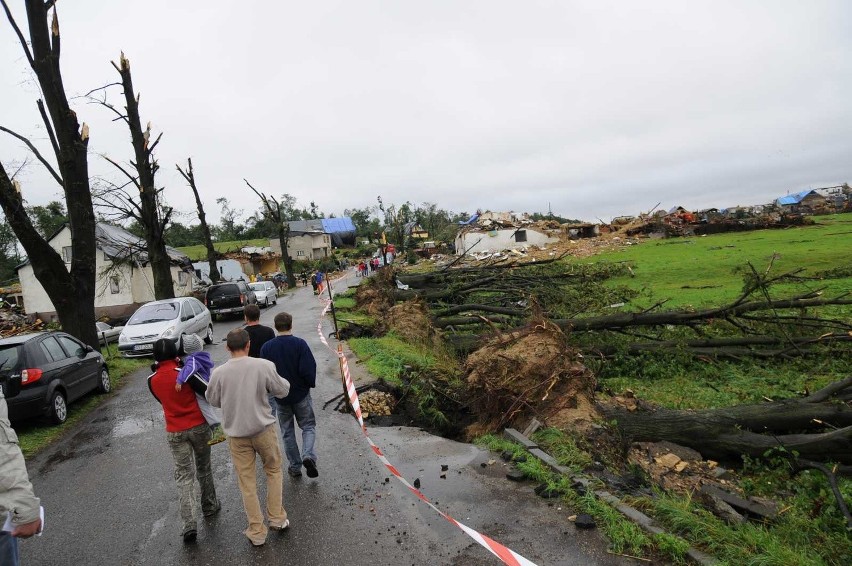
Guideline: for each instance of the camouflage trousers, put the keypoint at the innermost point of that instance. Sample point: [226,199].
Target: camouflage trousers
[192,460]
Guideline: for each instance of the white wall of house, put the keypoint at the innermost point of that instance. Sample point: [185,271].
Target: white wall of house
[116,286]
[502,239]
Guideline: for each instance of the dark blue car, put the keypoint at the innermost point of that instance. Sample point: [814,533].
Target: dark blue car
[41,373]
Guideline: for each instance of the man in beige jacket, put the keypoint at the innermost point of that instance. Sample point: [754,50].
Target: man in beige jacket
[241,387]
[16,492]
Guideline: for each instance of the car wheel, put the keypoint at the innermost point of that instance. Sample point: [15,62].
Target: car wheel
[209,338]
[275,301]
[104,384]
[57,411]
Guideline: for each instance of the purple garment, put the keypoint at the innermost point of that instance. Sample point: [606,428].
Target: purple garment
[198,363]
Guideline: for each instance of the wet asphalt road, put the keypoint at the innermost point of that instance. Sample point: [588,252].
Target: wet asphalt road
[108,490]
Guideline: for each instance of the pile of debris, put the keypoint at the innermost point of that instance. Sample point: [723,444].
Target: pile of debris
[13,323]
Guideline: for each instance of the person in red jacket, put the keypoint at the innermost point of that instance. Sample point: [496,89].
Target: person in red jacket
[187,432]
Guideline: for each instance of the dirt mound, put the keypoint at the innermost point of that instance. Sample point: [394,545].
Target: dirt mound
[410,320]
[532,372]
[375,295]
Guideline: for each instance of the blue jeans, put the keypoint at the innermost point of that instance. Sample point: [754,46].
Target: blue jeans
[303,414]
[8,549]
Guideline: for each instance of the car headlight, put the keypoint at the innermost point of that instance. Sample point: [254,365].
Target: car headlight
[122,339]
[170,332]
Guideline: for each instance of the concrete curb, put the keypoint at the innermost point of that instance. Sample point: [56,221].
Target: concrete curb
[644,522]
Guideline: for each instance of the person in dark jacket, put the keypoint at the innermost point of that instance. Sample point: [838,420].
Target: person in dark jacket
[258,333]
[295,362]
[188,435]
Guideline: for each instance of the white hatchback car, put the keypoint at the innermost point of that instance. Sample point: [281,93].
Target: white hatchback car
[266,293]
[166,318]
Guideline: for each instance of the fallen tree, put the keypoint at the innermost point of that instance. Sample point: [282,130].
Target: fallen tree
[730,432]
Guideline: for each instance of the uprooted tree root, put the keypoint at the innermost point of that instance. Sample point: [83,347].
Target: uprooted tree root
[529,372]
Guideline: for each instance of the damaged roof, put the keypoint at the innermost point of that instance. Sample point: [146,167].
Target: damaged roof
[119,244]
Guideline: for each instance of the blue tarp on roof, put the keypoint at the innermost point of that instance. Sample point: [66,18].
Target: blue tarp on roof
[795,198]
[336,225]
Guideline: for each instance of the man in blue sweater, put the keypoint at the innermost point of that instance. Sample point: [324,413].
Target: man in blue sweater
[294,361]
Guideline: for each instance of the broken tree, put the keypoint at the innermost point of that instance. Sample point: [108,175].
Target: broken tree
[146,208]
[276,211]
[71,290]
[212,255]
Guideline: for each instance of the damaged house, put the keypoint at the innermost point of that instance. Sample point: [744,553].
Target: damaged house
[308,240]
[498,231]
[124,276]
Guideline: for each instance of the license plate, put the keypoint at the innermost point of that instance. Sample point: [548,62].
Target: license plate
[140,347]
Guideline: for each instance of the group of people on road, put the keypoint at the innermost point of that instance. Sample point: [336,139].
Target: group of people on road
[364,268]
[268,377]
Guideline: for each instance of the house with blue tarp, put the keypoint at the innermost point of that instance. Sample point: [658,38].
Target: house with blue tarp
[802,201]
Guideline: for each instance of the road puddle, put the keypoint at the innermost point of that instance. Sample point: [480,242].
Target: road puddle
[130,427]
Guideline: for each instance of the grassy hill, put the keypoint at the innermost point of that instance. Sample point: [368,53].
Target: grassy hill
[708,269]
[199,252]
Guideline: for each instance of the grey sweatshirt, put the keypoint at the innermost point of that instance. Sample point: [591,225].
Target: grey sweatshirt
[16,491]
[241,387]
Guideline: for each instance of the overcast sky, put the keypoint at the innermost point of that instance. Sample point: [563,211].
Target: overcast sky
[594,108]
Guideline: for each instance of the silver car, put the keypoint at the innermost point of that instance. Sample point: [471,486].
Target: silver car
[266,293]
[107,333]
[167,318]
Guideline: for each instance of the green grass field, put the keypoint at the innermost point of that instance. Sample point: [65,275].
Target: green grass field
[707,270]
[199,252]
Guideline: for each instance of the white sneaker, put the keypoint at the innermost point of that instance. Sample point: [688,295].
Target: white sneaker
[280,527]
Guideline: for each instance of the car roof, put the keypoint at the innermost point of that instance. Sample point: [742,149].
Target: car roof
[22,338]
[164,301]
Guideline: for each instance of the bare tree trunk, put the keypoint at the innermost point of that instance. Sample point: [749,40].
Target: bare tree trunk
[149,215]
[751,429]
[284,240]
[72,292]
[276,214]
[189,175]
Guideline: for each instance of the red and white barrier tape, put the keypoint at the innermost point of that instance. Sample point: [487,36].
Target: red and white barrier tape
[506,555]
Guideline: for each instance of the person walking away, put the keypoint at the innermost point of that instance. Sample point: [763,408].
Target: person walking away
[293,359]
[241,387]
[188,434]
[17,500]
[320,278]
[194,370]
[258,333]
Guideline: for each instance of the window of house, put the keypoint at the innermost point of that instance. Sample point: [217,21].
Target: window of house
[66,254]
[114,286]
[521,236]
[300,253]
[183,278]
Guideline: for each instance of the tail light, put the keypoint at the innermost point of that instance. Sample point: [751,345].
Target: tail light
[30,375]
[242,299]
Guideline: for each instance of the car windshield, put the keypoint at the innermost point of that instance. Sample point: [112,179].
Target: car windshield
[9,357]
[257,286]
[155,313]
